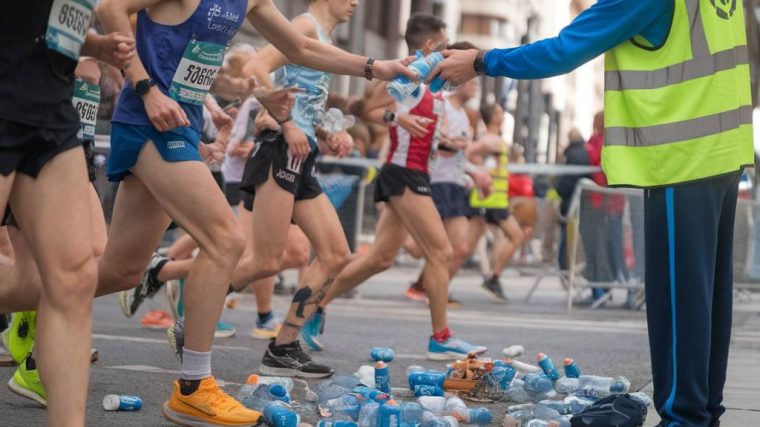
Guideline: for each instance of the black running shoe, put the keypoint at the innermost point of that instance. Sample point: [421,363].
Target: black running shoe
[492,285]
[147,288]
[289,360]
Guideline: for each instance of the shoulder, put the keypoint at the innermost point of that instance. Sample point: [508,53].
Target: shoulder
[306,26]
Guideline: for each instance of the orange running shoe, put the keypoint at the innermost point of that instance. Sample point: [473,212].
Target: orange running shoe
[208,406]
[157,319]
[416,295]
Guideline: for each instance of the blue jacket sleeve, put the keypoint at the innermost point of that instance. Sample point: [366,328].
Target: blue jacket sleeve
[598,29]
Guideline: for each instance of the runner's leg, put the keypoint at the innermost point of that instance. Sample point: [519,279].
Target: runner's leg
[54,208]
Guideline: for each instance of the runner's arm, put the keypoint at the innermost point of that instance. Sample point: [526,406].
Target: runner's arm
[311,53]
[164,113]
[378,102]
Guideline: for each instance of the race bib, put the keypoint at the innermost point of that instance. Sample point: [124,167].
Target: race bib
[67,26]
[86,100]
[196,72]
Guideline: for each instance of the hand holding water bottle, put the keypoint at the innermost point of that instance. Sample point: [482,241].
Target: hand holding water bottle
[401,87]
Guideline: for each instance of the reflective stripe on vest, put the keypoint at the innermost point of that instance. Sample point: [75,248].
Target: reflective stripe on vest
[681,112]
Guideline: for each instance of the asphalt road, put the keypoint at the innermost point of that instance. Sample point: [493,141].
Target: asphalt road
[134,361]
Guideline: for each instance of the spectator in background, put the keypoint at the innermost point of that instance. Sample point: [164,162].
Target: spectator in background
[575,154]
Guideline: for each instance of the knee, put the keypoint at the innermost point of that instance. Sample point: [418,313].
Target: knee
[226,246]
[297,255]
[441,254]
[382,262]
[459,251]
[335,262]
[268,265]
[73,285]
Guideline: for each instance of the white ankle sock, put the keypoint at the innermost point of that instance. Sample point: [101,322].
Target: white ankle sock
[195,365]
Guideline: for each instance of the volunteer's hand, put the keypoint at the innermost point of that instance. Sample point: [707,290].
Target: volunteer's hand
[388,70]
[415,125]
[298,143]
[457,68]
[115,49]
[164,113]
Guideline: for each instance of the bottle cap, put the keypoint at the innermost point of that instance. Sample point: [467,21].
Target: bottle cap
[540,356]
[381,365]
[568,361]
[111,402]
[252,379]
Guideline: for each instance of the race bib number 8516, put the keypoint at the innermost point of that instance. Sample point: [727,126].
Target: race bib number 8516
[67,26]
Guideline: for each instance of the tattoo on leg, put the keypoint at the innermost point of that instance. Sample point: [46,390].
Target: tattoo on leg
[286,324]
[306,296]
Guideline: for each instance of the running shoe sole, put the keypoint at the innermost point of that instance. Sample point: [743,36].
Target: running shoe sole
[190,421]
[225,334]
[494,296]
[124,303]
[255,334]
[289,372]
[172,340]
[24,392]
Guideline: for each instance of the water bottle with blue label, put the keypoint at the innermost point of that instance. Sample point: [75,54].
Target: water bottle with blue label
[280,414]
[382,377]
[368,414]
[389,415]
[114,402]
[433,378]
[571,369]
[330,422]
[347,405]
[546,364]
[538,383]
[385,354]
[411,414]
[428,390]
[401,87]
[479,416]
[371,394]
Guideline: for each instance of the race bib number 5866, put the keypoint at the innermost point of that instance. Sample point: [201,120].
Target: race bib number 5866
[67,26]
[196,72]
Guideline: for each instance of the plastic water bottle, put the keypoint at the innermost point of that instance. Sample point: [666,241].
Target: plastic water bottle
[371,394]
[546,364]
[366,375]
[334,121]
[347,381]
[348,405]
[368,414]
[283,381]
[116,402]
[539,384]
[642,398]
[250,386]
[433,378]
[279,392]
[479,416]
[259,399]
[517,393]
[513,351]
[577,404]
[280,414]
[411,414]
[571,369]
[455,407]
[385,354]
[440,422]
[522,412]
[389,414]
[505,374]
[401,87]
[428,390]
[551,409]
[434,404]
[439,83]
[589,385]
[414,368]
[382,377]
[331,422]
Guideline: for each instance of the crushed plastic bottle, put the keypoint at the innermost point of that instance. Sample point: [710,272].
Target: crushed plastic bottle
[546,365]
[331,422]
[577,404]
[368,414]
[590,385]
[539,385]
[456,408]
[261,396]
[334,121]
[524,412]
[513,351]
[401,87]
[371,394]
[411,414]
[280,414]
[347,405]
[571,369]
[642,398]
[505,374]
[279,392]
[438,421]
[517,393]
[479,416]
[551,409]
[386,354]
[284,381]
[434,404]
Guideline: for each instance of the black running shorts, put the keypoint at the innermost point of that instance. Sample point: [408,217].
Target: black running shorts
[271,154]
[393,180]
[26,149]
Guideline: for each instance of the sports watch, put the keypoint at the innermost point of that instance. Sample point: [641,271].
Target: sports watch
[480,64]
[390,117]
[143,86]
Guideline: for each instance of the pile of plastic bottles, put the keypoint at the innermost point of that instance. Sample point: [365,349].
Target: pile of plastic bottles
[270,396]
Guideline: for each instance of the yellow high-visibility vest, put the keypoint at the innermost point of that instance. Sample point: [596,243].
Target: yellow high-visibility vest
[682,111]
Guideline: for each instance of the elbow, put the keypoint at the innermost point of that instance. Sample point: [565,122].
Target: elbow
[300,54]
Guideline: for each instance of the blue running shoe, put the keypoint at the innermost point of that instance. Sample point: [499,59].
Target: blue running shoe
[224,330]
[311,329]
[452,349]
